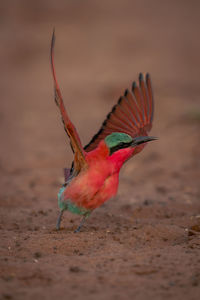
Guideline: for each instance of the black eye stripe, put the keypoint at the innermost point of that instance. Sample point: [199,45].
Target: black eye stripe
[120,146]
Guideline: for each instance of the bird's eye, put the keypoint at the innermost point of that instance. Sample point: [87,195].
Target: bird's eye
[119,146]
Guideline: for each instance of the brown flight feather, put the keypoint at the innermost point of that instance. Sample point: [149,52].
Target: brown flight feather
[79,157]
[133,114]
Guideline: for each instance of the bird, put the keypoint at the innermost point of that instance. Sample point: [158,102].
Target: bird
[94,174]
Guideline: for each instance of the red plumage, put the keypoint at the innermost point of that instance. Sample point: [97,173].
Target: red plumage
[94,175]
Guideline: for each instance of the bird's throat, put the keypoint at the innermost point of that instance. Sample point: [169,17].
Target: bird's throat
[119,157]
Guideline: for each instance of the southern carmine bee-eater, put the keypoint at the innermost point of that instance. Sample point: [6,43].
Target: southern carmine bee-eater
[94,175]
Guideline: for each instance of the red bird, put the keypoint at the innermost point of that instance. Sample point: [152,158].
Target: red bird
[94,175]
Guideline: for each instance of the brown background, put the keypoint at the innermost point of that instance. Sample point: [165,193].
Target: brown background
[144,243]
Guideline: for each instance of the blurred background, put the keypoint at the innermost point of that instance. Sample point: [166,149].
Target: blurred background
[101,46]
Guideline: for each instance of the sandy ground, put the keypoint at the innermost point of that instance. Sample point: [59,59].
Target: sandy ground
[144,243]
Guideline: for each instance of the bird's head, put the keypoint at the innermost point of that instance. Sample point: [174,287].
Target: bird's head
[119,140]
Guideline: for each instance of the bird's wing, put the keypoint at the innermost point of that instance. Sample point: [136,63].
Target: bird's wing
[133,114]
[79,157]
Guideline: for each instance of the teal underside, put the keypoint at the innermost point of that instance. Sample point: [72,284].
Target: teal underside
[72,207]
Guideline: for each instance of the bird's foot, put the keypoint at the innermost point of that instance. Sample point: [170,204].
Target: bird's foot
[77,229]
[81,224]
[59,220]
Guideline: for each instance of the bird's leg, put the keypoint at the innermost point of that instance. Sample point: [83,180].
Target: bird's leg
[81,224]
[59,219]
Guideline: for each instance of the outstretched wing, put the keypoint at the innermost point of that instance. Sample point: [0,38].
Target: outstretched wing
[133,114]
[79,158]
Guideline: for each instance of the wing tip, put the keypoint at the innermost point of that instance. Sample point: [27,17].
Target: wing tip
[134,85]
[53,38]
[148,77]
[126,92]
[141,77]
[120,99]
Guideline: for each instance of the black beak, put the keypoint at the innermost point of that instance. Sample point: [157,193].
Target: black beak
[142,139]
